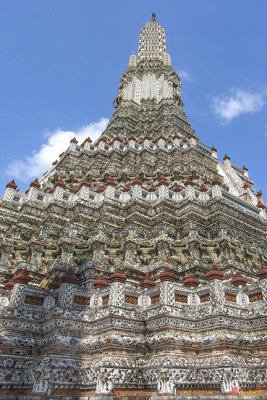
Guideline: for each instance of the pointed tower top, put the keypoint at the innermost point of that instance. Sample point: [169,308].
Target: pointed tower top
[132,62]
[152,42]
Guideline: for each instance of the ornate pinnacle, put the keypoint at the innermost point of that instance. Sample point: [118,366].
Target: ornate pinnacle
[118,276]
[238,279]
[100,282]
[147,282]
[12,185]
[191,281]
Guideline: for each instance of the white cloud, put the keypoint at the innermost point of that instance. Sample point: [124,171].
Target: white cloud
[240,102]
[184,75]
[57,141]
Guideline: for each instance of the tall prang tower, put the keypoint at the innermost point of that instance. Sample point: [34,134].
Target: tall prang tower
[136,266]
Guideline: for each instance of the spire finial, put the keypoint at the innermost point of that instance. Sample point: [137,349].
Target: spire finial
[153,17]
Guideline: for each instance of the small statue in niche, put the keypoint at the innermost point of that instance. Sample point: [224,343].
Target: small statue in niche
[98,255]
[129,255]
[3,258]
[194,250]
[176,95]
[34,256]
[163,254]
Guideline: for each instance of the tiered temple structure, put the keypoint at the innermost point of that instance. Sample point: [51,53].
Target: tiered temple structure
[136,266]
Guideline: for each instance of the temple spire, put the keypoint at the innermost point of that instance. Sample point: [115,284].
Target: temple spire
[149,77]
[152,42]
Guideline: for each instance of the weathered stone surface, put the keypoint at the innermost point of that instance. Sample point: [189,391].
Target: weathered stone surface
[150,198]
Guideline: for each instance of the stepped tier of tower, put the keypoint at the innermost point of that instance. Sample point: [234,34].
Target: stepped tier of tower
[135,266]
[100,199]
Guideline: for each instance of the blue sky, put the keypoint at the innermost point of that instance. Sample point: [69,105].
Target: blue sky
[61,62]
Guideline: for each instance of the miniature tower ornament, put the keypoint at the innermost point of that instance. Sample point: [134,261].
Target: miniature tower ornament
[135,266]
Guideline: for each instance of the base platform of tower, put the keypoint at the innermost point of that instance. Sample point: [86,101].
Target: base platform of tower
[135,268]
